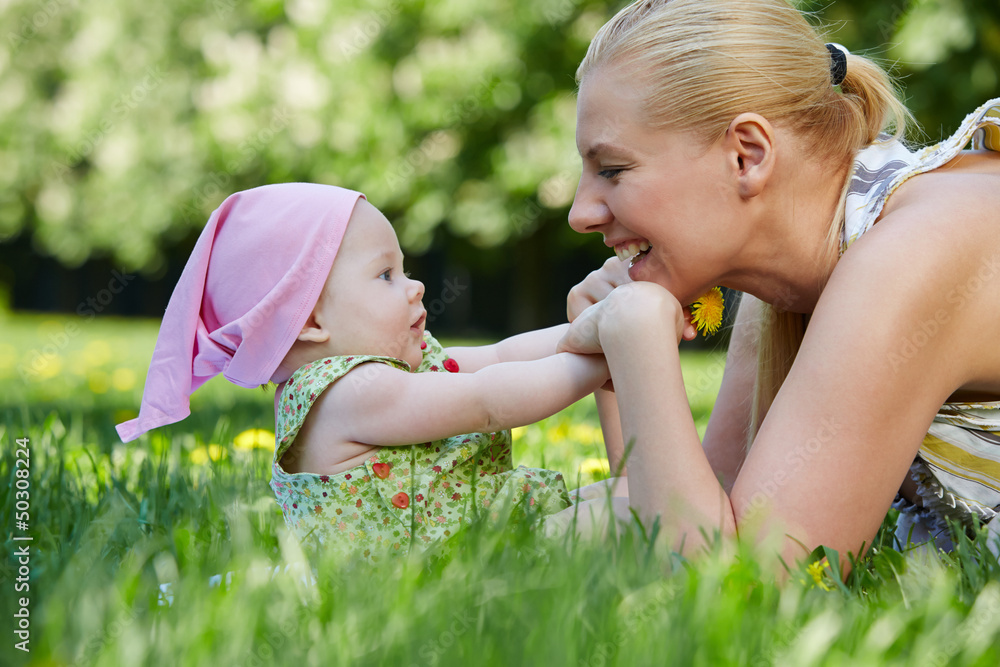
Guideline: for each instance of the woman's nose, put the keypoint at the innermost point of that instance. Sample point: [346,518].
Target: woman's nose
[589,211]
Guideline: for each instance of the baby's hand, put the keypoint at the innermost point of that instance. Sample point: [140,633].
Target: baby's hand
[583,336]
[625,311]
[596,286]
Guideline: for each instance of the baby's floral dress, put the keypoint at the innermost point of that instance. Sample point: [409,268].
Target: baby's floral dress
[406,497]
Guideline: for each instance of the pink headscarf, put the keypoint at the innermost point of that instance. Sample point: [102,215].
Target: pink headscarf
[251,282]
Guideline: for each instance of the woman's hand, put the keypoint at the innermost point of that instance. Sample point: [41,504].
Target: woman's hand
[623,310]
[596,286]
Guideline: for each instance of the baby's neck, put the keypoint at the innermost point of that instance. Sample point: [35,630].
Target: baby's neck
[297,357]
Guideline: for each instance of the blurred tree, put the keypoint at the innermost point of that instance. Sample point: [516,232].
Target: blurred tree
[124,124]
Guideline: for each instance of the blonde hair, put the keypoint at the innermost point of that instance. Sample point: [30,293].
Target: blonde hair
[700,63]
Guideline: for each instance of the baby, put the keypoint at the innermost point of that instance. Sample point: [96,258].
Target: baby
[386,442]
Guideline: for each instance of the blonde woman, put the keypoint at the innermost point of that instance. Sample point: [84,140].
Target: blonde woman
[724,143]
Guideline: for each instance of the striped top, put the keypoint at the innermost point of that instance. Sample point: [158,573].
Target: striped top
[957,469]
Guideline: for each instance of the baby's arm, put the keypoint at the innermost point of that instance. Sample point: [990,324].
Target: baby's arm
[376,404]
[522,347]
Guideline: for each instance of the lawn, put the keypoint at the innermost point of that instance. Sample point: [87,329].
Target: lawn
[127,542]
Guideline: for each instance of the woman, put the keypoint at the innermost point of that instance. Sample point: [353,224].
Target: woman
[720,141]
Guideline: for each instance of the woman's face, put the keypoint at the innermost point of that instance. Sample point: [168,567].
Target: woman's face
[650,188]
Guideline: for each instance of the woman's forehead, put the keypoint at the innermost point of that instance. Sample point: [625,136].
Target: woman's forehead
[609,108]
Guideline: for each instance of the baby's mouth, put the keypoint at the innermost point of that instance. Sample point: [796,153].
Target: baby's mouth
[634,250]
[420,321]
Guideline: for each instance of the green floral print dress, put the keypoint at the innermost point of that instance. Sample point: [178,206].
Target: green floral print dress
[402,498]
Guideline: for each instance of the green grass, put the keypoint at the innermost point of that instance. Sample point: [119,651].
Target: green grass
[111,522]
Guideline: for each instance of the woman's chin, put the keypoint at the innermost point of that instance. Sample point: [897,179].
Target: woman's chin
[639,269]
[648,269]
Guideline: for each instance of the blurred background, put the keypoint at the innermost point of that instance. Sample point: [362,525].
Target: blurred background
[124,124]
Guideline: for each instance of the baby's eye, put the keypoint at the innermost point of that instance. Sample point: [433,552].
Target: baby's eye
[610,173]
[386,275]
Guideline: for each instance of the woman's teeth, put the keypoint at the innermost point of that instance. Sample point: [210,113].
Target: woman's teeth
[632,250]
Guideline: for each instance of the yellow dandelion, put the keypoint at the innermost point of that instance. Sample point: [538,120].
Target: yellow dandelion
[254,438]
[593,466]
[706,312]
[584,433]
[201,455]
[557,432]
[123,379]
[816,570]
[97,353]
[44,367]
[99,382]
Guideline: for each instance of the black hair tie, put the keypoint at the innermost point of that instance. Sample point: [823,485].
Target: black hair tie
[838,63]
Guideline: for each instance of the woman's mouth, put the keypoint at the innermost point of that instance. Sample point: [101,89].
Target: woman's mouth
[634,250]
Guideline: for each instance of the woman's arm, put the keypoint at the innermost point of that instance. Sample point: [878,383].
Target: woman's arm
[611,429]
[726,436]
[376,404]
[669,474]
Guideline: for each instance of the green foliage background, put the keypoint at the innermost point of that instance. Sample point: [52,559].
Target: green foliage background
[123,124]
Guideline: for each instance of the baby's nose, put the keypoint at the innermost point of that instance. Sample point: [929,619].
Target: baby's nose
[418,289]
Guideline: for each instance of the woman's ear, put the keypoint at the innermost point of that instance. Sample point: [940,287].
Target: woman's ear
[750,143]
[313,331]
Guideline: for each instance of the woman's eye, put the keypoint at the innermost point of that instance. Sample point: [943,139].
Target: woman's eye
[609,173]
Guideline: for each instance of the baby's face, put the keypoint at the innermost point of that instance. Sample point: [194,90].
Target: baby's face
[368,304]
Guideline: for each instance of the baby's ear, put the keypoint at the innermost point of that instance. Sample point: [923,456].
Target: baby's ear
[312,332]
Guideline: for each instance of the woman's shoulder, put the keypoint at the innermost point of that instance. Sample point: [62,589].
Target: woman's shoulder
[927,279]
[962,195]
[935,230]
[886,169]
